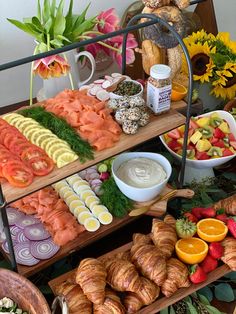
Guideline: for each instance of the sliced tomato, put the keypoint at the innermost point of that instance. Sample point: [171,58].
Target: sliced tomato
[4,159]
[41,166]
[9,137]
[17,174]
[31,152]
[18,145]
[3,131]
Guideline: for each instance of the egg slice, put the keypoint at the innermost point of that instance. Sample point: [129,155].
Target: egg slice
[74,204]
[105,218]
[63,190]
[91,200]
[67,194]
[71,198]
[98,209]
[81,209]
[85,194]
[83,216]
[91,224]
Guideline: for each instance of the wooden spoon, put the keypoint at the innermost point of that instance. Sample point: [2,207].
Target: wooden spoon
[113,87]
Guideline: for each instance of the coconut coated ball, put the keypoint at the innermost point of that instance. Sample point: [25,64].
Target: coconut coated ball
[121,115]
[130,127]
[134,114]
[144,120]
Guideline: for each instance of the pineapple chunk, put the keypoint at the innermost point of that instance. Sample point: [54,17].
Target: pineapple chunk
[196,137]
[181,141]
[224,127]
[215,115]
[181,128]
[203,121]
[203,145]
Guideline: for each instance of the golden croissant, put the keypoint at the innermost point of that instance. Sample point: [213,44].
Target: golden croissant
[170,220]
[141,238]
[91,276]
[145,295]
[229,257]
[122,275]
[228,204]
[150,262]
[164,237]
[177,277]
[111,305]
[77,302]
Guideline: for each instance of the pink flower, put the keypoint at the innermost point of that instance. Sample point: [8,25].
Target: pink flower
[95,48]
[108,21]
[53,66]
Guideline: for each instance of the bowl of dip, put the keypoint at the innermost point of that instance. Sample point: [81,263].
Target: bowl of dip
[141,176]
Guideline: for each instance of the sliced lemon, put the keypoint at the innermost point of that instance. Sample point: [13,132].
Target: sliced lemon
[83,216]
[105,218]
[60,151]
[21,120]
[13,120]
[50,139]
[23,124]
[91,224]
[56,146]
[9,116]
[71,198]
[42,137]
[28,129]
[92,201]
[37,133]
[79,210]
[75,204]
[98,209]
[65,159]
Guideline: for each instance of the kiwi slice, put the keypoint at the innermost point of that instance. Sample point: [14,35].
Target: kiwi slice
[215,152]
[207,131]
[190,153]
[226,141]
[215,121]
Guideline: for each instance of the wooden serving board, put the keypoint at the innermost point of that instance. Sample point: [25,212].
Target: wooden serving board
[162,302]
[157,126]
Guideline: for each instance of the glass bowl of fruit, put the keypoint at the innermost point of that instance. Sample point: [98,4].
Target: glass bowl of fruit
[211,143]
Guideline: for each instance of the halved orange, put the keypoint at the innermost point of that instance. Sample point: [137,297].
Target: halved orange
[178,91]
[191,250]
[211,230]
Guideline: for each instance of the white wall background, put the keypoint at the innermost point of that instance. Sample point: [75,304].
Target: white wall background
[15,44]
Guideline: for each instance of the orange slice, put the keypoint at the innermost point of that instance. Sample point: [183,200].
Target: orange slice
[211,230]
[178,91]
[191,250]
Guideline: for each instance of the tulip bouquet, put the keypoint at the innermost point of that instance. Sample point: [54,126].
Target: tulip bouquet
[52,29]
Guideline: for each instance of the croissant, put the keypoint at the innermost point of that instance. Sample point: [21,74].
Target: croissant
[170,220]
[164,237]
[141,238]
[91,276]
[177,277]
[145,295]
[111,305]
[124,256]
[149,261]
[77,302]
[122,275]
[229,257]
[229,205]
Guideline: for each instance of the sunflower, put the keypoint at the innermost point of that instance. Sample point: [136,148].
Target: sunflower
[225,84]
[201,61]
[200,36]
[225,38]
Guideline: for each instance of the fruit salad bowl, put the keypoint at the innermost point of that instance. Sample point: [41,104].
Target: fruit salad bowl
[211,143]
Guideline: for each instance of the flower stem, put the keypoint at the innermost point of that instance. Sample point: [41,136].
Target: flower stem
[101,43]
[31,79]
[48,42]
[69,74]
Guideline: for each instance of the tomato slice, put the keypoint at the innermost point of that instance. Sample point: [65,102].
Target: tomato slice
[5,158]
[17,174]
[31,152]
[18,145]
[41,166]
[9,137]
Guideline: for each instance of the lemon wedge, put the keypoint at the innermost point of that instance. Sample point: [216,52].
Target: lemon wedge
[55,146]
[66,158]
[37,133]
[98,209]
[91,224]
[79,210]
[105,218]
[42,137]
[83,216]
[49,140]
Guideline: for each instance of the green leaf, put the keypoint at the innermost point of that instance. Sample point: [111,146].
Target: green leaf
[63,38]
[206,198]
[172,311]
[60,21]
[26,28]
[48,25]
[188,299]
[203,299]
[57,43]
[37,23]
[231,275]
[191,308]
[207,293]
[224,292]
[27,19]
[69,18]
[212,310]
[42,47]
[53,8]
[84,27]
[165,311]
[82,16]
[46,11]
[39,11]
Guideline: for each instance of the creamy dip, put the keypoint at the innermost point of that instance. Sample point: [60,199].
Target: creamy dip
[141,172]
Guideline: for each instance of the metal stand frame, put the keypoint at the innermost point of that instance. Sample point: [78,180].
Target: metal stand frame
[153,19]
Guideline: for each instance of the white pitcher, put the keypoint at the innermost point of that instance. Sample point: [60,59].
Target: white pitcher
[53,86]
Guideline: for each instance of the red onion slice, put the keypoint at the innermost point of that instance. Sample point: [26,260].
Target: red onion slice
[36,232]
[25,221]
[43,249]
[14,230]
[2,236]
[5,246]
[23,255]
[20,237]
[13,215]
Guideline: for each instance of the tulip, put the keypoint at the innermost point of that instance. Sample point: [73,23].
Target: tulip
[53,66]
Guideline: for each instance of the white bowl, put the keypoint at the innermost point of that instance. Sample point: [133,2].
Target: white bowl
[115,96]
[141,194]
[199,167]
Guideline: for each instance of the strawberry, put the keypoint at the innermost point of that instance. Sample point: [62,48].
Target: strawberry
[191,217]
[218,133]
[202,156]
[196,211]
[220,144]
[175,134]
[222,217]
[231,224]
[197,274]
[209,264]
[174,145]
[231,137]
[227,152]
[208,212]
[213,140]
[216,250]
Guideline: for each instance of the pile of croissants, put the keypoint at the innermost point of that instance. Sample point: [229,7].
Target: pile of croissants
[136,276]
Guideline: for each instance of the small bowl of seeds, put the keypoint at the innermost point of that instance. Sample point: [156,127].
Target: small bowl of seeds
[127,88]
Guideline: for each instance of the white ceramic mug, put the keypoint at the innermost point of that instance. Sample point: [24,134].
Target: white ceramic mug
[53,86]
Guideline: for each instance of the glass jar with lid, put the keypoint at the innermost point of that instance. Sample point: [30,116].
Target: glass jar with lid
[159,88]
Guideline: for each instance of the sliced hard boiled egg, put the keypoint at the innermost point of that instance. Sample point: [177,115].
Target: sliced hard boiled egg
[105,218]
[91,224]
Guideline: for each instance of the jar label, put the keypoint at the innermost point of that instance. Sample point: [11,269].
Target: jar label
[158,98]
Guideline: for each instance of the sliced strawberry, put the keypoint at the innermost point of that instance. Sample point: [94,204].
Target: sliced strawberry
[202,156]
[214,140]
[175,134]
[231,137]
[174,145]
[220,144]
[218,133]
[227,152]
[231,224]
[222,217]
[233,143]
